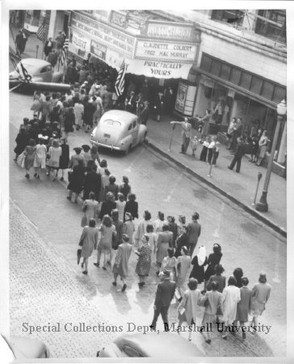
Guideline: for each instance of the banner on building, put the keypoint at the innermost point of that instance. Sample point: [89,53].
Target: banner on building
[159,69]
[167,51]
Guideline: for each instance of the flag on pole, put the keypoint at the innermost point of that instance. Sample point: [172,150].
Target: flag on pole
[64,51]
[23,73]
[120,80]
[42,32]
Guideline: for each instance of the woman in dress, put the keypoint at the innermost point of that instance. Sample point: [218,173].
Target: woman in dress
[169,263]
[152,238]
[112,187]
[40,158]
[120,205]
[243,307]
[76,182]
[198,262]
[213,259]
[88,241]
[203,154]
[132,206]
[92,182]
[238,274]
[64,158]
[159,222]
[141,228]
[212,303]
[183,266]
[231,297]
[263,143]
[90,208]
[164,241]
[120,267]
[173,227]
[107,206]
[129,227]
[69,121]
[54,154]
[218,278]
[125,187]
[188,308]
[260,294]
[94,154]
[144,262]
[29,157]
[108,232]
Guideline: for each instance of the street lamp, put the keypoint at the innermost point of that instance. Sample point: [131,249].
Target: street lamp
[281,112]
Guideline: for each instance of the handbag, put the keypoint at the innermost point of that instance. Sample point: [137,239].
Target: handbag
[69,176]
[84,220]
[79,254]
[21,160]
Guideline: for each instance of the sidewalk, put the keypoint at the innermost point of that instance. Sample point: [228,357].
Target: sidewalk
[239,188]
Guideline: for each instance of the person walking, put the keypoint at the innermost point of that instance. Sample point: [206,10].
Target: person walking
[88,242]
[173,227]
[169,263]
[158,105]
[125,187]
[204,150]
[64,158]
[78,112]
[144,262]
[186,133]
[104,248]
[90,208]
[92,182]
[48,46]
[198,262]
[54,154]
[231,297]
[117,240]
[129,227]
[244,306]
[29,157]
[218,278]
[40,158]
[240,151]
[120,205]
[120,267]
[164,241]
[183,266]
[141,228]
[211,149]
[193,232]
[181,241]
[213,260]
[144,114]
[260,295]
[238,274]
[107,206]
[21,142]
[263,144]
[112,187]
[74,160]
[132,206]
[164,295]
[76,181]
[188,307]
[212,303]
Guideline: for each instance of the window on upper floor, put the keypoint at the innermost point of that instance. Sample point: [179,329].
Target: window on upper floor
[234,17]
[272,24]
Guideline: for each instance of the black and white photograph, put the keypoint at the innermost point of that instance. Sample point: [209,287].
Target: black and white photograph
[145,201]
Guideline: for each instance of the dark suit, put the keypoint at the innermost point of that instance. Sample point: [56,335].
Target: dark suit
[164,294]
[241,149]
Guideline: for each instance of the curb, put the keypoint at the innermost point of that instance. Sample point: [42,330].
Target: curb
[246,208]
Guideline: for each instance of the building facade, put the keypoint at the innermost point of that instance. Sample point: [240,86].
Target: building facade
[232,62]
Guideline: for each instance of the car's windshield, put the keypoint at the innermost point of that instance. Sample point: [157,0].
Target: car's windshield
[114,123]
[29,67]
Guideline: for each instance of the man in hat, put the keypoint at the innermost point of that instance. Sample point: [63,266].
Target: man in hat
[120,267]
[164,295]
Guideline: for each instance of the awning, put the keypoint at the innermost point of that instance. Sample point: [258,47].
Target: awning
[159,69]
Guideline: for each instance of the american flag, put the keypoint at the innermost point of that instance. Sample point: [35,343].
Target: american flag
[42,32]
[64,51]
[120,80]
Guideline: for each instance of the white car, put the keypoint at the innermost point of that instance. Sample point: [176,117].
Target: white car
[119,130]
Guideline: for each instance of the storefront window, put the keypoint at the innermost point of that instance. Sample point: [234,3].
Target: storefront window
[206,62]
[272,24]
[215,68]
[279,94]
[228,16]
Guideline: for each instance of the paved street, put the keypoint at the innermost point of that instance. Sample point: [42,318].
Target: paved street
[47,285]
